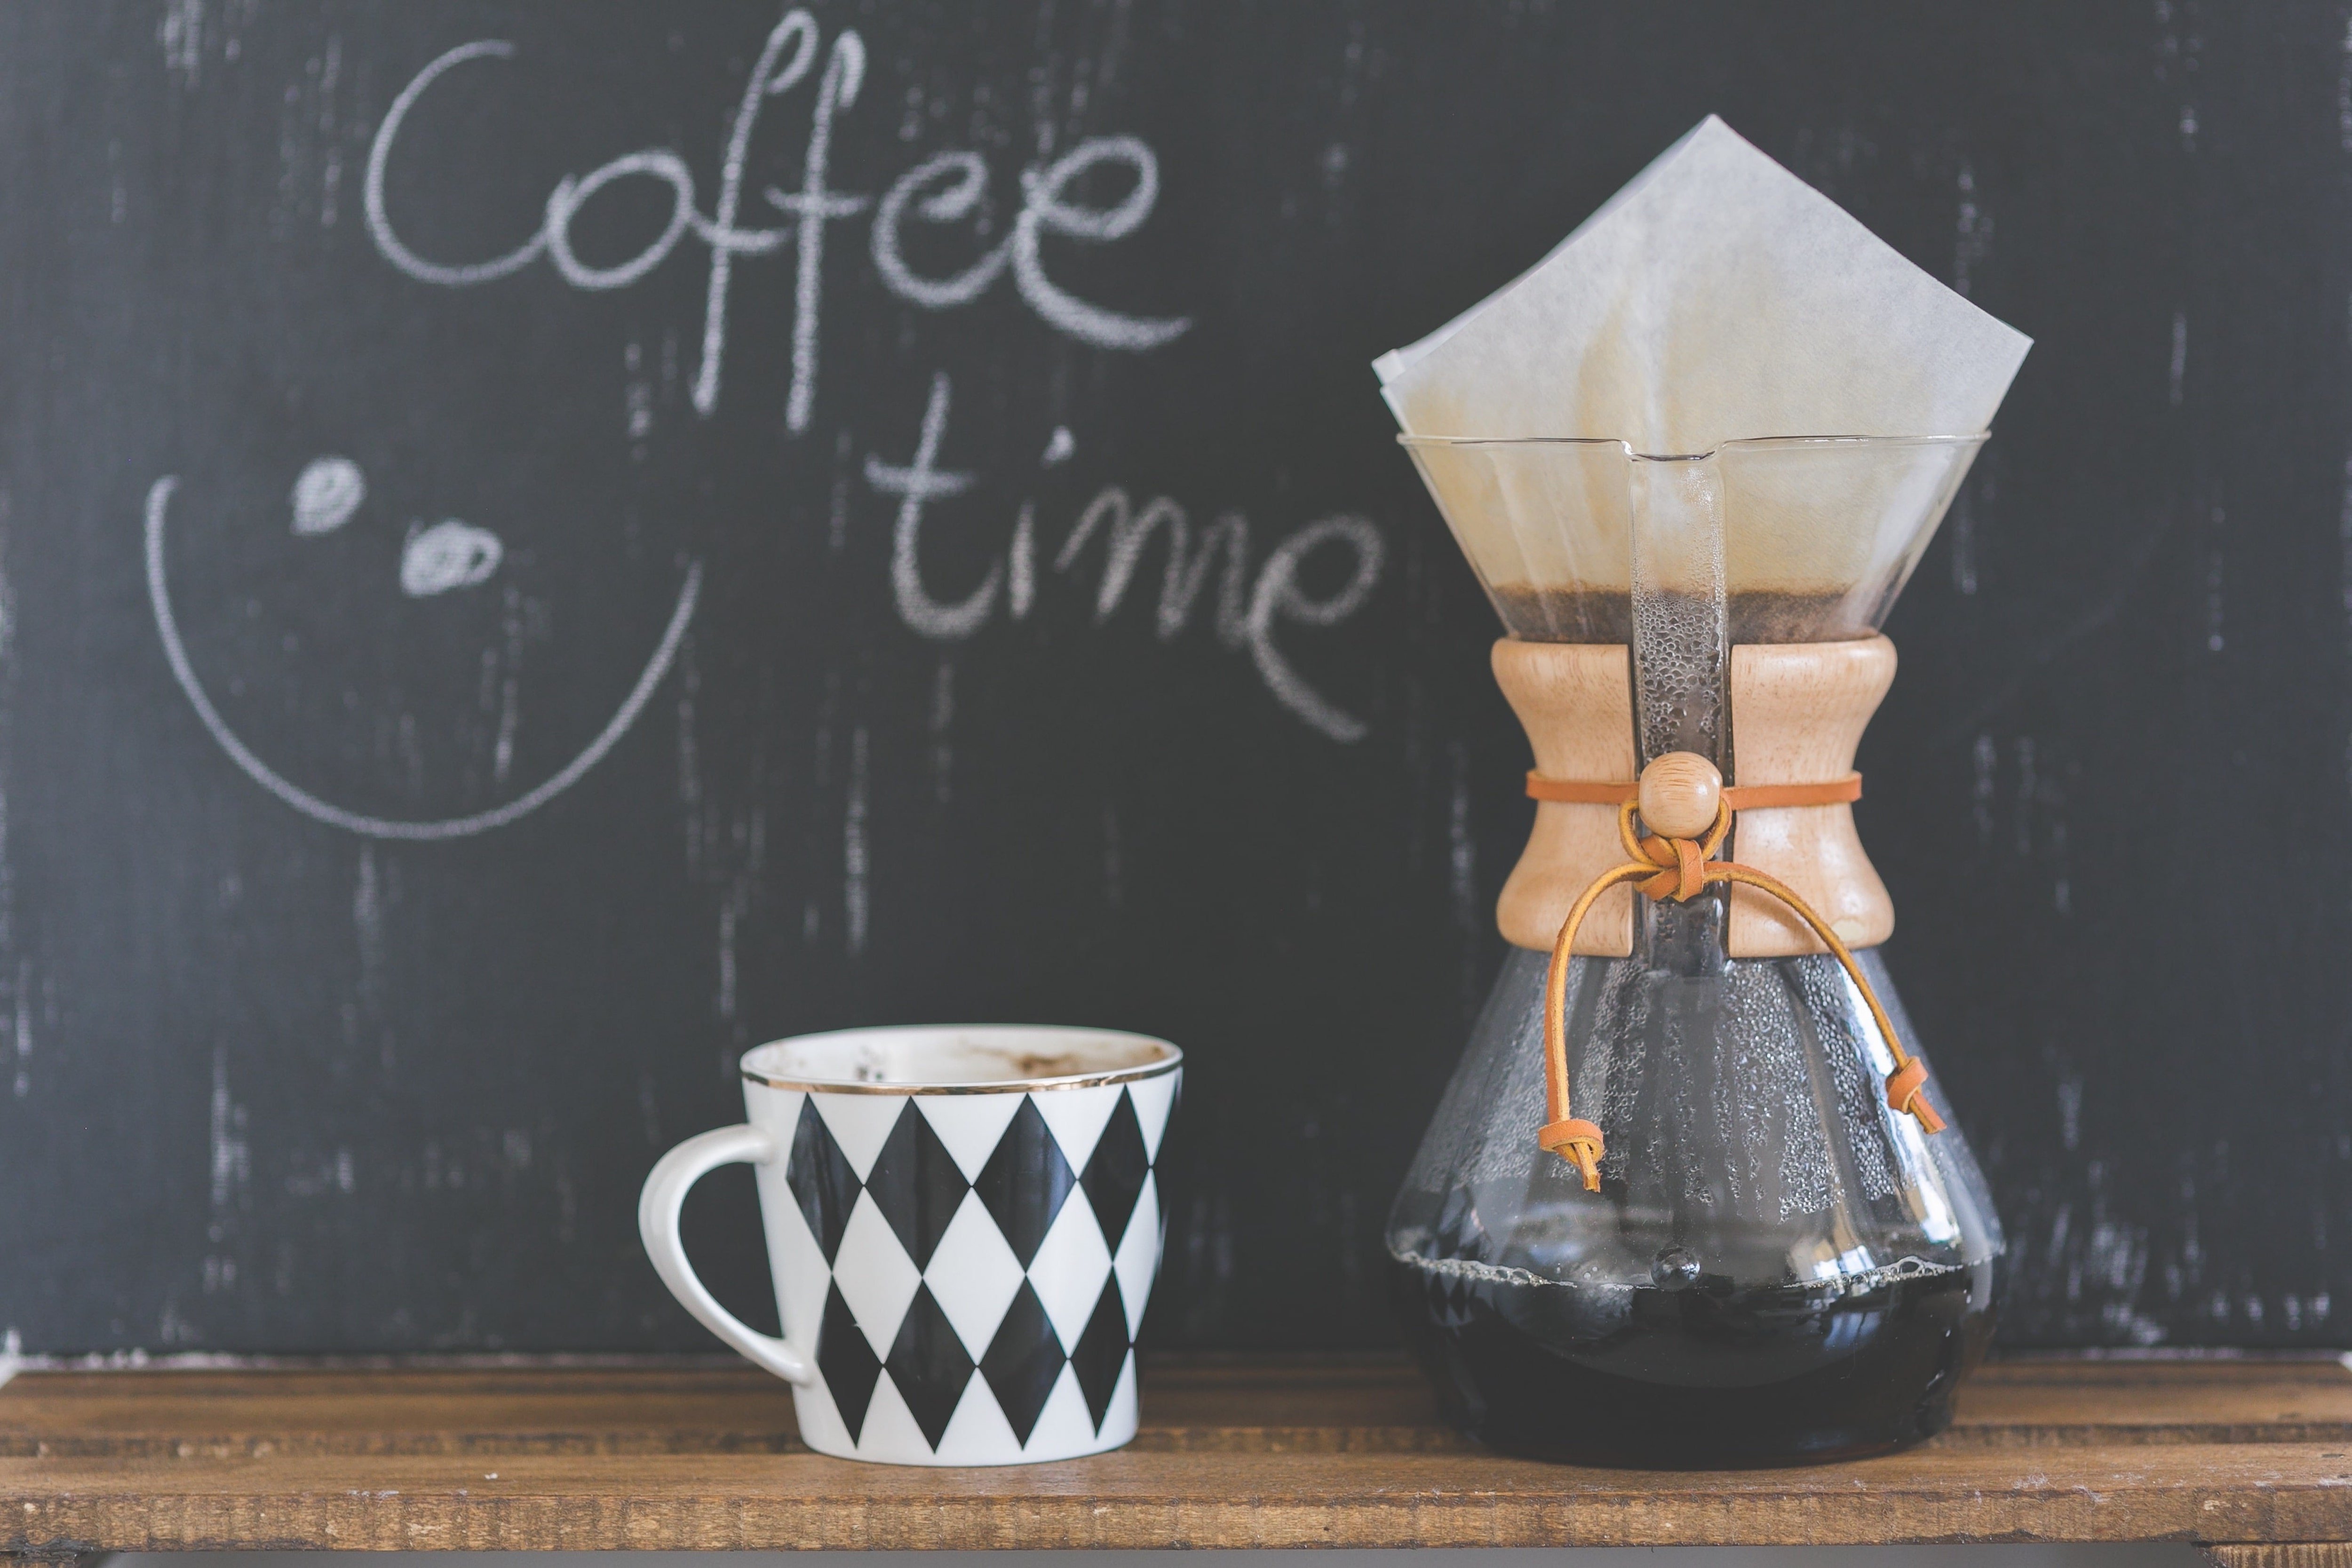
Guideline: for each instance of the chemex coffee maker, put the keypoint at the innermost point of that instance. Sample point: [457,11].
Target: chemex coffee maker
[1689,1199]
[1694,1197]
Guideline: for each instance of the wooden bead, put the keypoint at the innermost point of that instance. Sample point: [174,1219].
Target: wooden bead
[1680,795]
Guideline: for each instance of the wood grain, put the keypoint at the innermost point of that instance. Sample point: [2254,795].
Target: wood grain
[1346,1404]
[1232,1454]
[1681,794]
[1576,702]
[1798,711]
[1137,1499]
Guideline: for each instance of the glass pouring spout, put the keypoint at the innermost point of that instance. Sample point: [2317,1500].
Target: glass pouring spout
[1777,1266]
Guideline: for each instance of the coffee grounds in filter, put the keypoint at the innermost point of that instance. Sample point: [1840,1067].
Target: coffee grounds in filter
[1600,615]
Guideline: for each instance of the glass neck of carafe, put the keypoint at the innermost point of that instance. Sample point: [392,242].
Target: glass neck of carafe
[1682,661]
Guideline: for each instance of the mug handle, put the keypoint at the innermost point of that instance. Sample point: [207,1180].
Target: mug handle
[658,1211]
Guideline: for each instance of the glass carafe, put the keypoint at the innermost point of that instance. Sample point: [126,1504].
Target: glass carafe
[1777,1264]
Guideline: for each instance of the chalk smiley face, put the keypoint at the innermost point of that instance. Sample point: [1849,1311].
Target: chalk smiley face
[443,557]
[448,555]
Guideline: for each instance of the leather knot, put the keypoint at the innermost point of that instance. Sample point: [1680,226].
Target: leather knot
[1578,1142]
[1682,864]
[1902,1086]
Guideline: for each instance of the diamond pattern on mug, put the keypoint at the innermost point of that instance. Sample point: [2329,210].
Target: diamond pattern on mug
[1022,1362]
[1025,1182]
[955,1245]
[1137,1258]
[929,1365]
[1063,1426]
[891,1427]
[1101,1351]
[1154,1098]
[1447,1297]
[1114,1171]
[916,1185]
[802,1273]
[973,1275]
[978,1433]
[859,1123]
[848,1363]
[1077,1117]
[1070,1269]
[1459,1232]
[821,1179]
[969,1124]
[874,1275]
[1122,1411]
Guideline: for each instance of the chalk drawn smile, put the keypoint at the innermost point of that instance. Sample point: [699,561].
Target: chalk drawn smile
[446,557]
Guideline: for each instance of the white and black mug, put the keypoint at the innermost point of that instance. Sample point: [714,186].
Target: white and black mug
[963,1225]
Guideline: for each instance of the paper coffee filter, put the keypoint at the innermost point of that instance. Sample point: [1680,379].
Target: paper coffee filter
[1556,514]
[1716,303]
[1830,528]
[1813,519]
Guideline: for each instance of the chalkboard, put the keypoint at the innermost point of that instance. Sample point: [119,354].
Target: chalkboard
[544,544]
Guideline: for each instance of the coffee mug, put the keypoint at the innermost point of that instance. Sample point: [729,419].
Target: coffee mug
[962,1225]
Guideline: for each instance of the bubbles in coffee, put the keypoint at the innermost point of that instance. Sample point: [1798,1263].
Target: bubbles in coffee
[1751,614]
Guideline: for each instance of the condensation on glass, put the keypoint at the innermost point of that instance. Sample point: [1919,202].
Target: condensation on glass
[1778,1266]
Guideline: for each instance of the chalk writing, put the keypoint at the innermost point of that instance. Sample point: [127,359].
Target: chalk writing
[1247,614]
[1278,596]
[1186,573]
[947,191]
[768,79]
[947,187]
[813,206]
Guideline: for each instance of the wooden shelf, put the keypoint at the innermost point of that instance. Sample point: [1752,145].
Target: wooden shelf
[1232,1454]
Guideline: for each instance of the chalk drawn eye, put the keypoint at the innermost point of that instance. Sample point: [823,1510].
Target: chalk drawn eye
[450,554]
[328,491]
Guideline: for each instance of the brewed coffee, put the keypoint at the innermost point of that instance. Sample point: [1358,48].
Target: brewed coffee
[1700,1373]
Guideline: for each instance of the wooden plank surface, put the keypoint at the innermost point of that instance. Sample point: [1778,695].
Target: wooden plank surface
[728,1501]
[1331,1406]
[1231,1455]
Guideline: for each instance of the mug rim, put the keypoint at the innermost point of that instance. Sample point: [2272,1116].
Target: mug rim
[1170,1058]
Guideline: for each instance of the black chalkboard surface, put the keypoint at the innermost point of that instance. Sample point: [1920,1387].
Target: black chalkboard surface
[543,545]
